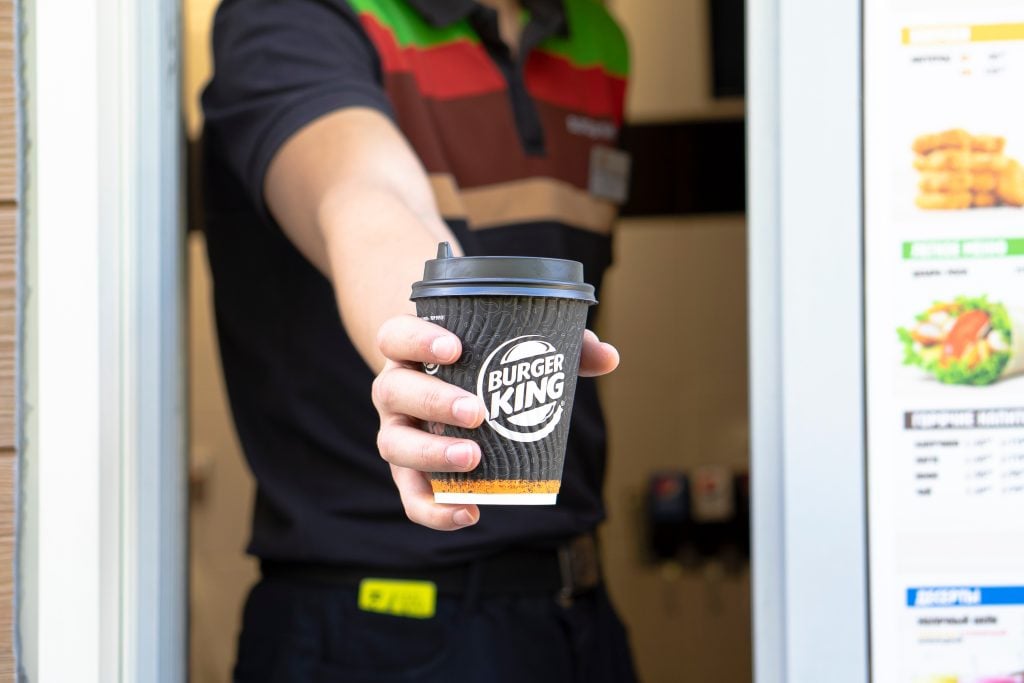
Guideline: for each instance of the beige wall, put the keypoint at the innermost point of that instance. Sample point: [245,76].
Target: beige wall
[197,16]
[221,497]
[222,488]
[675,306]
[670,48]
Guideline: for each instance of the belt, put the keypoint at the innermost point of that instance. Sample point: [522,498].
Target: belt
[567,572]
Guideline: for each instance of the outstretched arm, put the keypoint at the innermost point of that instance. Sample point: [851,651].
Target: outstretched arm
[352,196]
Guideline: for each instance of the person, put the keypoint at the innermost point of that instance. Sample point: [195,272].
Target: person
[343,142]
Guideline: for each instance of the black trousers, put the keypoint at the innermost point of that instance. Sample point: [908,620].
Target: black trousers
[297,630]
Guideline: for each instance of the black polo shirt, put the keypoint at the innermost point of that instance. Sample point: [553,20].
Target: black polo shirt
[510,148]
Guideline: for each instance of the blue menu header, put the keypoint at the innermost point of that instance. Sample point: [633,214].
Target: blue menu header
[965,596]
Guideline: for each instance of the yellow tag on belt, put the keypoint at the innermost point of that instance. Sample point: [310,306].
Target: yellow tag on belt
[414,599]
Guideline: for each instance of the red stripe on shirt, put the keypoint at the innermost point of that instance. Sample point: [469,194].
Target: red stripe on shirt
[590,91]
[449,71]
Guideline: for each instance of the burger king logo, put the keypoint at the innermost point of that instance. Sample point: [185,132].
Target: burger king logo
[522,383]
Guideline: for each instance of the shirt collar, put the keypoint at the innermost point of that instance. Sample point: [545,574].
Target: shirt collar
[441,13]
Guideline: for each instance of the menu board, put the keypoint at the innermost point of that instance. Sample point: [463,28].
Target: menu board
[944,320]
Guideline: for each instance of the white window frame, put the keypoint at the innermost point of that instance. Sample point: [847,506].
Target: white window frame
[102,556]
[809,552]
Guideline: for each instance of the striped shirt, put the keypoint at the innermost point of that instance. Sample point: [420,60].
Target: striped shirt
[513,147]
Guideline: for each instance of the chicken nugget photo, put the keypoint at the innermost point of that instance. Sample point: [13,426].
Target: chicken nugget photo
[944,200]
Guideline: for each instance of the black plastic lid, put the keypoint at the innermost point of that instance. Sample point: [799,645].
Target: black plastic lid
[448,275]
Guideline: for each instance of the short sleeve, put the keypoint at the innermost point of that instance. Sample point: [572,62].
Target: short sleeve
[279,65]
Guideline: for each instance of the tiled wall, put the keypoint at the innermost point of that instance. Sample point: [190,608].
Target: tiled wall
[8,291]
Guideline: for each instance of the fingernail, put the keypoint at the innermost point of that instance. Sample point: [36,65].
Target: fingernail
[444,348]
[459,455]
[462,517]
[466,410]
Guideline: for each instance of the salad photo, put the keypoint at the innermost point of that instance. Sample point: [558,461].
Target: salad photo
[969,340]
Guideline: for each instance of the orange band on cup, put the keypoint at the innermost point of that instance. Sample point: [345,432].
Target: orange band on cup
[495,486]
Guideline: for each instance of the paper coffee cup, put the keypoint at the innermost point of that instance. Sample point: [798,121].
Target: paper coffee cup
[521,323]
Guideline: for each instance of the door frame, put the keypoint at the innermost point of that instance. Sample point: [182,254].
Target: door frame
[102,552]
[806,311]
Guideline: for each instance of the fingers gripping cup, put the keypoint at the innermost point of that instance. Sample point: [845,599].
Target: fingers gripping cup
[521,323]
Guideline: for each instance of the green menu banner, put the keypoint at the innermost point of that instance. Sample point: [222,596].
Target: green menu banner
[963,249]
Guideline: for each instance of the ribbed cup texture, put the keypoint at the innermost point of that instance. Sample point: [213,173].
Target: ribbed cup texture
[484,323]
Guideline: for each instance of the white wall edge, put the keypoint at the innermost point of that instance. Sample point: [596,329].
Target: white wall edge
[821,231]
[809,553]
[63,289]
[768,566]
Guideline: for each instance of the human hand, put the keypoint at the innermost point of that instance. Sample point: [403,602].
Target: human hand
[406,397]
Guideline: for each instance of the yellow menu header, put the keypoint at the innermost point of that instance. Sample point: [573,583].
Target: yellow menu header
[979,33]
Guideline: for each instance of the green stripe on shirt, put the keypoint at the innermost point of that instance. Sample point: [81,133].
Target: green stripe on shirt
[595,39]
[409,28]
